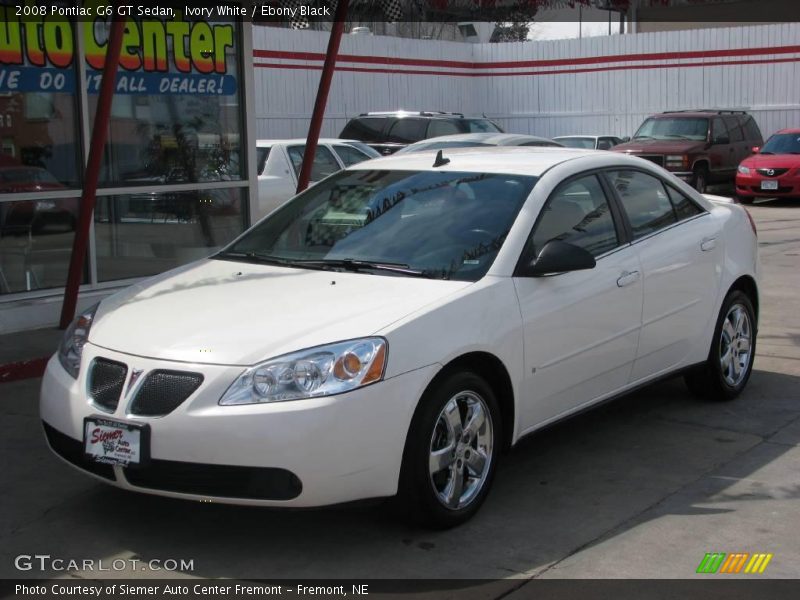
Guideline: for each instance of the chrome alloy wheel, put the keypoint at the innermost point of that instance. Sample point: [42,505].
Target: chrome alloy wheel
[735,345]
[461,450]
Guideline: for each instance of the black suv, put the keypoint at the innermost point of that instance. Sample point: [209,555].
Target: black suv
[387,132]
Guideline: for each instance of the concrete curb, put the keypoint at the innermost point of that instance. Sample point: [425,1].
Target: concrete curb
[24,369]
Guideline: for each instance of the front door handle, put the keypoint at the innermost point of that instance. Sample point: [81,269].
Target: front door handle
[708,244]
[627,278]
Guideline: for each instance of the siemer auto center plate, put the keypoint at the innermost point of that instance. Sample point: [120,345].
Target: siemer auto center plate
[115,442]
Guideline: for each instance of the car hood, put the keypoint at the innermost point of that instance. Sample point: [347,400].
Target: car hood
[659,146]
[234,313]
[772,161]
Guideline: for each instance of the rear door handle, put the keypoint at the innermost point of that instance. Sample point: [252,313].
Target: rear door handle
[627,278]
[708,244]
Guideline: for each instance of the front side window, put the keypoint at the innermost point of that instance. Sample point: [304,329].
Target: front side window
[720,130]
[645,201]
[674,128]
[324,162]
[442,225]
[577,213]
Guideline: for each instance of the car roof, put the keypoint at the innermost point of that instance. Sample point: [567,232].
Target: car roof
[494,138]
[698,113]
[518,160]
[790,131]
[269,143]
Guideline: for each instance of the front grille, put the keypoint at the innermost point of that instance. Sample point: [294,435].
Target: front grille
[771,172]
[262,483]
[72,451]
[163,391]
[106,380]
[655,158]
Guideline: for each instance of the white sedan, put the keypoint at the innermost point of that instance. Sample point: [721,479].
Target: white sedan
[395,328]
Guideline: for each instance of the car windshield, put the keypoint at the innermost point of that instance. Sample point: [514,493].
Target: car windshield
[678,128]
[436,224]
[481,126]
[576,142]
[782,143]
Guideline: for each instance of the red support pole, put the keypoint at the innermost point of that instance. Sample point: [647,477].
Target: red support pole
[92,171]
[322,95]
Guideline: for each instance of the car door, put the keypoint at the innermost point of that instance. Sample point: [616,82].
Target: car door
[721,153]
[580,328]
[679,247]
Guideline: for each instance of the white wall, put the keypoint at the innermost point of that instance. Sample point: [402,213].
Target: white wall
[617,81]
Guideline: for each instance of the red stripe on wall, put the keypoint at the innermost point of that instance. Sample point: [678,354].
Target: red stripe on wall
[586,60]
[527,73]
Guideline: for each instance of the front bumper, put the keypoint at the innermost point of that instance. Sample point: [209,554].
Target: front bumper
[300,453]
[749,186]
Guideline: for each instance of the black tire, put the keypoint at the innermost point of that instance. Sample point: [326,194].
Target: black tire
[710,380]
[745,199]
[700,178]
[418,498]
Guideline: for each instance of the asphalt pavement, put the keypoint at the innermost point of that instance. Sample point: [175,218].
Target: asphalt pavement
[641,487]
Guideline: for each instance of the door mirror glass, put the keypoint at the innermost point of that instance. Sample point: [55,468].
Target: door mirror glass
[559,257]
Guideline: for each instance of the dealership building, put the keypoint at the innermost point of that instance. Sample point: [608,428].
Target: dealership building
[177,172]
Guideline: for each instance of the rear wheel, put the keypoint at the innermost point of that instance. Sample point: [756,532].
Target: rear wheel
[730,359]
[451,452]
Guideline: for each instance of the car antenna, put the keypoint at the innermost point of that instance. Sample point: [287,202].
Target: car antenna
[440,160]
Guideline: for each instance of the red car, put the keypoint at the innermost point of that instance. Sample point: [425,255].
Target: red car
[774,171]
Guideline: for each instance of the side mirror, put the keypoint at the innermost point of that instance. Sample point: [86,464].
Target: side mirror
[559,257]
[755,149]
[721,140]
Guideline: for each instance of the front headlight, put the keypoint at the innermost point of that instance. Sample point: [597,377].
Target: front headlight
[71,348]
[321,371]
[743,170]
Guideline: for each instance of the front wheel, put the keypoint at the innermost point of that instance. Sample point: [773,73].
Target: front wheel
[451,452]
[700,178]
[745,199]
[730,360]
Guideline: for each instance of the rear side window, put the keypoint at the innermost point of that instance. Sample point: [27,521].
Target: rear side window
[645,201]
[734,125]
[367,129]
[719,129]
[262,154]
[407,131]
[440,127]
[577,213]
[324,162]
[751,131]
[350,155]
[685,207]
[480,126]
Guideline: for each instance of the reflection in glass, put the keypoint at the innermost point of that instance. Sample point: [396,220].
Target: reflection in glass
[36,243]
[144,234]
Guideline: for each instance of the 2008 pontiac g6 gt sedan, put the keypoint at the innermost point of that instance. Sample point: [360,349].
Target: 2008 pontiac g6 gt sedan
[394,329]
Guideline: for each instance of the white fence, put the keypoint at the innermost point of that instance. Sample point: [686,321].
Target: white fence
[549,88]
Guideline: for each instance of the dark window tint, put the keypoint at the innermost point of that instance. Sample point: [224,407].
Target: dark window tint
[349,155]
[366,129]
[751,130]
[262,154]
[324,162]
[782,143]
[719,129]
[734,125]
[442,127]
[606,143]
[684,206]
[480,126]
[407,131]
[577,142]
[646,203]
[577,213]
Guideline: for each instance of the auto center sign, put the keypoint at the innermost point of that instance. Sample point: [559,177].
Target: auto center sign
[170,56]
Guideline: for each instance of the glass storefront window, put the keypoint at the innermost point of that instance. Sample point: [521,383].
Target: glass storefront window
[176,115]
[144,234]
[35,243]
[40,149]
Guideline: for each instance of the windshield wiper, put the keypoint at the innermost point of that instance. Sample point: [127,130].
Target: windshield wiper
[354,265]
[255,257]
[675,135]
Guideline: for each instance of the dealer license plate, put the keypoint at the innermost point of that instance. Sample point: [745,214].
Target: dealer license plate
[116,443]
[769,184]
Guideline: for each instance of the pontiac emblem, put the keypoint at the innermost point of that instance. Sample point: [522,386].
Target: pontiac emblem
[135,374]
